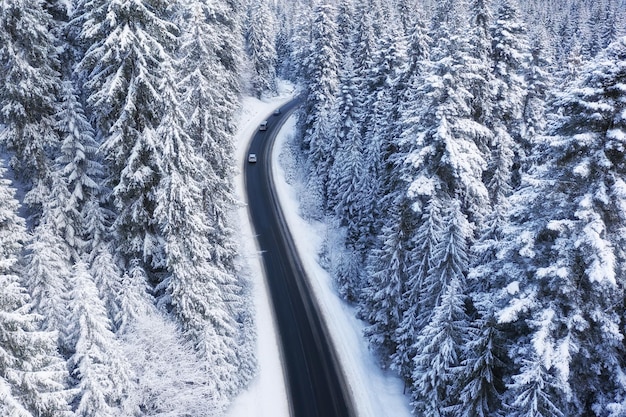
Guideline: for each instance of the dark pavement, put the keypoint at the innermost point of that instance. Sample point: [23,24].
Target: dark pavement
[315,383]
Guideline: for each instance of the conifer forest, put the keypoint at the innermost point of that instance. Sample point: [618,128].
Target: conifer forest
[470,155]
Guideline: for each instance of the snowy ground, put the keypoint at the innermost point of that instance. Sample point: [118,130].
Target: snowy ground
[375,393]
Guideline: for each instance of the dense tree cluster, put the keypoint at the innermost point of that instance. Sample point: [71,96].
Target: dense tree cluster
[470,153]
[480,206]
[117,116]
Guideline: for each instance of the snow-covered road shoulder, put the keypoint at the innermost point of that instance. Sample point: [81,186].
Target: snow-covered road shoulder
[266,396]
[375,393]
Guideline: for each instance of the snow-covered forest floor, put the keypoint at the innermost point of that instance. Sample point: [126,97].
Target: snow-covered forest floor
[376,393]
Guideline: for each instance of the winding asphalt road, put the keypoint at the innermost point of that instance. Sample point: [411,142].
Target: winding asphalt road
[315,383]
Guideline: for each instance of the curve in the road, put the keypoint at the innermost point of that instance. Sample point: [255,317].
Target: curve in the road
[316,384]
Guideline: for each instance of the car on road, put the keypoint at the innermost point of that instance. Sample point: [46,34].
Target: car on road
[277,112]
[252,158]
[263,125]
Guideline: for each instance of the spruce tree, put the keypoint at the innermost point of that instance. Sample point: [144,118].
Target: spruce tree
[260,41]
[209,103]
[346,185]
[47,276]
[443,166]
[441,342]
[49,259]
[81,170]
[380,131]
[483,364]
[95,362]
[535,391]
[199,287]
[345,132]
[322,68]
[480,87]
[31,84]
[387,280]
[440,131]
[565,235]
[415,302]
[300,41]
[539,82]
[510,54]
[32,375]
[129,41]
[346,28]
[207,110]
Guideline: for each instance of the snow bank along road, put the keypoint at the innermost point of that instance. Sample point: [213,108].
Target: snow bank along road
[315,382]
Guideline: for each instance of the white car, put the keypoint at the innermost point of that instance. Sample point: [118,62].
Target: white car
[263,125]
[252,158]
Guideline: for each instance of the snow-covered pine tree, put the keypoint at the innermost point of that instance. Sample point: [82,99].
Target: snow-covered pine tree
[484,363]
[345,131]
[227,17]
[407,11]
[418,50]
[379,132]
[401,92]
[440,344]
[590,31]
[302,17]
[535,391]
[260,46]
[208,103]
[414,303]
[363,50]
[128,291]
[322,87]
[481,380]
[346,28]
[284,35]
[567,234]
[566,27]
[485,357]
[209,109]
[389,211]
[78,165]
[350,171]
[387,271]
[365,54]
[129,41]
[32,376]
[612,23]
[443,167]
[123,300]
[539,83]
[125,295]
[30,87]
[200,287]
[101,380]
[49,259]
[47,276]
[345,185]
[510,53]
[485,360]
[374,112]
[482,100]
[349,181]
[398,218]
[442,155]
